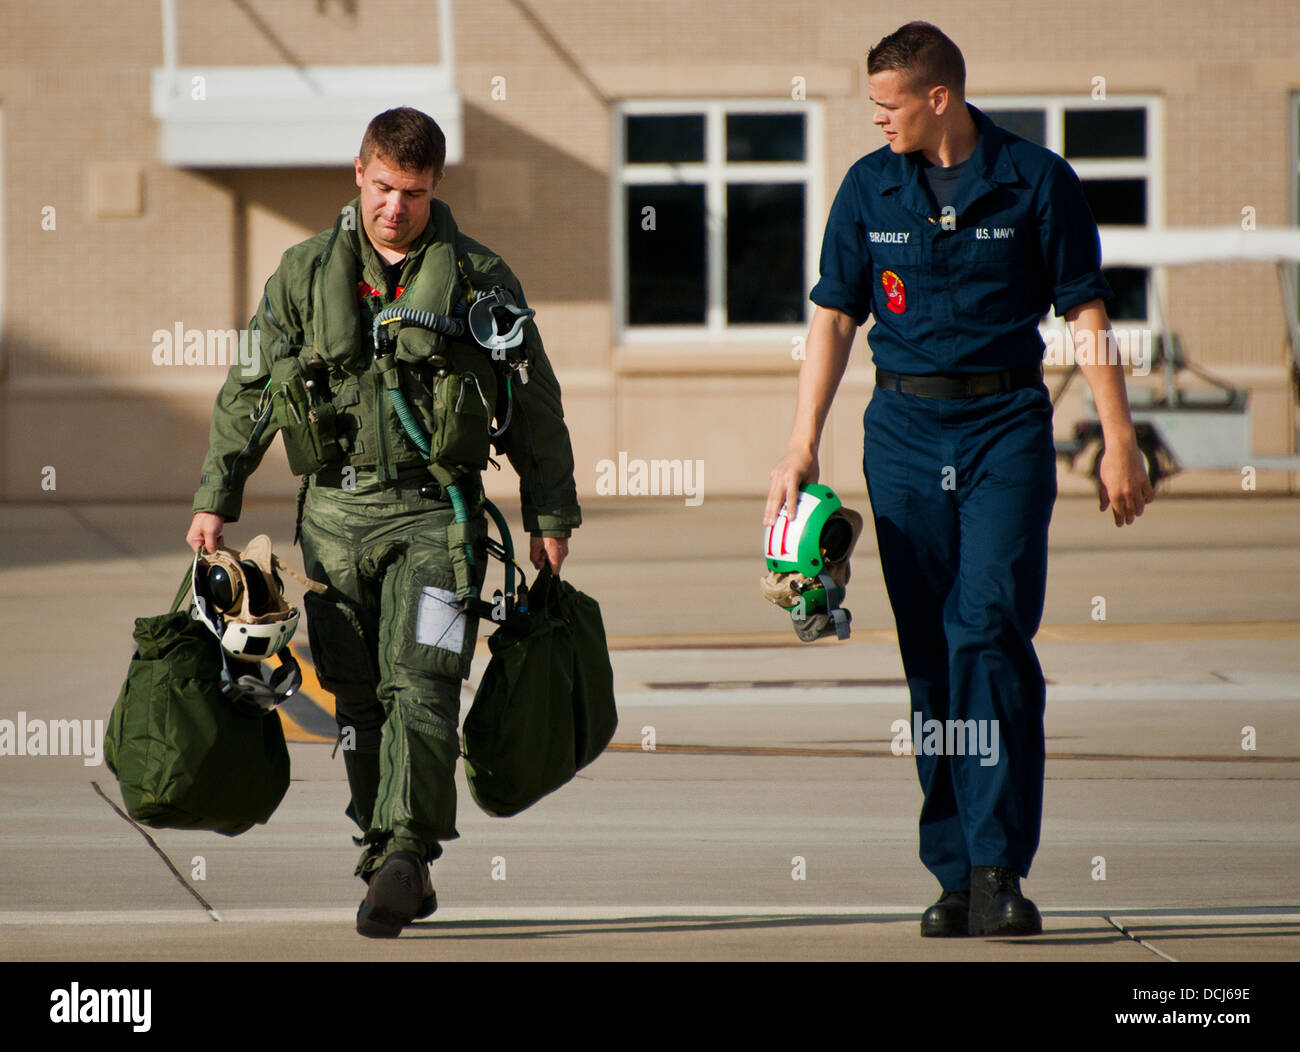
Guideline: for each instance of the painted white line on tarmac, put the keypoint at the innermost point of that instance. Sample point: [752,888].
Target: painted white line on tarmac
[1244,688]
[543,914]
[140,918]
[539,914]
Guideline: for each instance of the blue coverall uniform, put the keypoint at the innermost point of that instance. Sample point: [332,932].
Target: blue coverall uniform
[962,488]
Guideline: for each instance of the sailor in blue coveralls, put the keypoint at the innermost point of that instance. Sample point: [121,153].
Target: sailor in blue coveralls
[958,237]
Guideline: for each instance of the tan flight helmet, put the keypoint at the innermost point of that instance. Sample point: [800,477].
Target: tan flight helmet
[239,596]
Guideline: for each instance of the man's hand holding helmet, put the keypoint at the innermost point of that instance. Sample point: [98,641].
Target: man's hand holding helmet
[206,531]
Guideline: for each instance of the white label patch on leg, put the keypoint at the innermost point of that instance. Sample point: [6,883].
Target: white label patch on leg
[439,621]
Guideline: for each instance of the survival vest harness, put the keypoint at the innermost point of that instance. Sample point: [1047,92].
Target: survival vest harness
[418,382]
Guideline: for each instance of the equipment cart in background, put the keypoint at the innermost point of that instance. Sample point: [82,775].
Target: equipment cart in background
[1205,424]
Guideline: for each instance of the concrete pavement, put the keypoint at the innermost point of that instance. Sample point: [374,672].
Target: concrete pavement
[771,820]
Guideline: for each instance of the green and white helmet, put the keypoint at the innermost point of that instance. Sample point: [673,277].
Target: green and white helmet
[807,558]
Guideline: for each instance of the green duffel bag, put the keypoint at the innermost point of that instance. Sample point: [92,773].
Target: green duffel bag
[184,756]
[545,706]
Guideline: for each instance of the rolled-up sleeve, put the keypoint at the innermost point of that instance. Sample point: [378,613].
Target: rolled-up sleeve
[845,265]
[1071,244]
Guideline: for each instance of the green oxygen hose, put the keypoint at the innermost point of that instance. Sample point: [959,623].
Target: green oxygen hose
[461,510]
[453,327]
[506,543]
[416,434]
[409,424]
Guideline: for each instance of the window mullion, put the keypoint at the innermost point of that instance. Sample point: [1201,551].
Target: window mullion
[666,174]
[715,209]
[1108,169]
[766,173]
[1055,130]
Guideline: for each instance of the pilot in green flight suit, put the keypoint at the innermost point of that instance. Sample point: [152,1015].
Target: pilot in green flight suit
[378,524]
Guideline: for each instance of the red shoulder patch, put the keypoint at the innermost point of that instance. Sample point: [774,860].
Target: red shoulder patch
[895,292]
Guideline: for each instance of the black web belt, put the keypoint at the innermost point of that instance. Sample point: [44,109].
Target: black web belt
[971,386]
[408,473]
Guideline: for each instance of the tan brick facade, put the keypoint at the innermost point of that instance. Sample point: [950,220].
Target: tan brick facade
[139,246]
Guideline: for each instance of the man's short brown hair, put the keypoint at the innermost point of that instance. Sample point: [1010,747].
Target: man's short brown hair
[407,138]
[921,52]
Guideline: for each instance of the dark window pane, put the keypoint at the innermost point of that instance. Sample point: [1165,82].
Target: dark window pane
[1028,124]
[765,137]
[1117,202]
[665,140]
[1106,133]
[666,279]
[1130,287]
[765,241]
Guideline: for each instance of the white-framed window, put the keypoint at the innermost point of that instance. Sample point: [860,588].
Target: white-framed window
[1114,146]
[716,217]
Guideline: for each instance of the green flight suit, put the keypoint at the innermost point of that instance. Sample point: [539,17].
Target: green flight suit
[388,638]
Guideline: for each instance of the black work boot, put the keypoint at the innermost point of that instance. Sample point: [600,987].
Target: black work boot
[430,901]
[947,917]
[996,905]
[400,891]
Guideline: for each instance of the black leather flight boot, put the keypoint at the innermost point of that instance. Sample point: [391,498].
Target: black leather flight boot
[996,905]
[400,891]
[947,917]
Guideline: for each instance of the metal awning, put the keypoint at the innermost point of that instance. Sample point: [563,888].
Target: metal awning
[286,116]
[1186,245]
[292,115]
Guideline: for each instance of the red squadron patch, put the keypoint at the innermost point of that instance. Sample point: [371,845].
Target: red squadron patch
[365,291]
[895,293]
